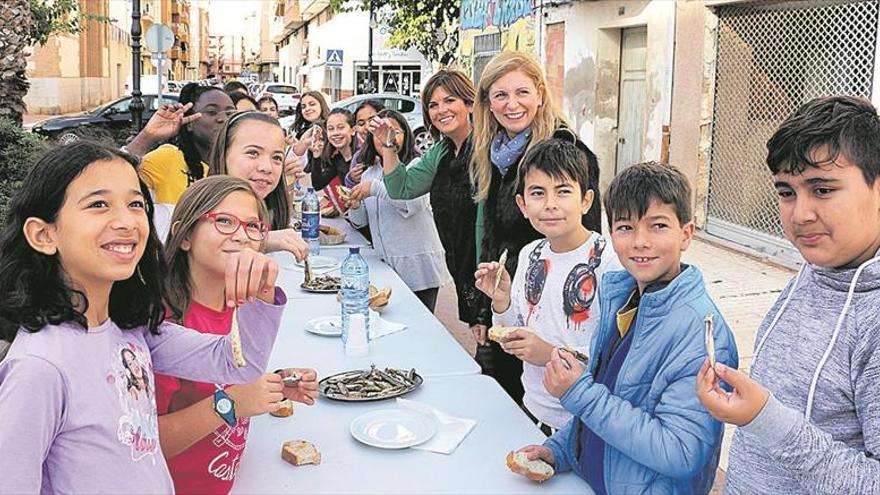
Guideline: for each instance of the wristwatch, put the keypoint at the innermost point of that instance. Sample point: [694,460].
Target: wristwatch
[224,406]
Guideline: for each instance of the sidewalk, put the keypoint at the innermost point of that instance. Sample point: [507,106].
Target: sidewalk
[744,288]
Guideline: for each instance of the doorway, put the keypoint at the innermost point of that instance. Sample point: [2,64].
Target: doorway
[632,97]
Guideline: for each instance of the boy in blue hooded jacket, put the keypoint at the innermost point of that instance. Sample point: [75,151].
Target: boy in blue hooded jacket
[638,426]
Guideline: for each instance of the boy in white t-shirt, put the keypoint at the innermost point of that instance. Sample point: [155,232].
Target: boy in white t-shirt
[554,290]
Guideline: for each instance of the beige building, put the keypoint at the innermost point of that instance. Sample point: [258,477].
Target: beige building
[176,15]
[77,72]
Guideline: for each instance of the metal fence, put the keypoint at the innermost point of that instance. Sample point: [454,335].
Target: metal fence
[771,58]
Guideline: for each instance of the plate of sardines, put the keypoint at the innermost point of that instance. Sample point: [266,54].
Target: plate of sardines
[369,385]
[324,283]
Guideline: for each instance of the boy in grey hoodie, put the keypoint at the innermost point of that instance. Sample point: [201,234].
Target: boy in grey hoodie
[809,415]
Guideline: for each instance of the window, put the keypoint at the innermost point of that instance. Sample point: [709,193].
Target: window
[486,46]
[281,89]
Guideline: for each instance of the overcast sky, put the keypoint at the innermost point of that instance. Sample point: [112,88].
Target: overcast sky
[227,16]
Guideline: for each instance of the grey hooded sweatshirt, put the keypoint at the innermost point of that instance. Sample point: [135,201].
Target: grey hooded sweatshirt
[834,447]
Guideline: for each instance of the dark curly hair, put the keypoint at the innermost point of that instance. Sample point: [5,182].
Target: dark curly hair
[32,285]
[186,141]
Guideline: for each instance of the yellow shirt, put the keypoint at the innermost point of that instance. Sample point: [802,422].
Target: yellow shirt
[164,171]
[627,314]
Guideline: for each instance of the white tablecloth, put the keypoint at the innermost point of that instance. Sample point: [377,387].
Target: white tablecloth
[347,466]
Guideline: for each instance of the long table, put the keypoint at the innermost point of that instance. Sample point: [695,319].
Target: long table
[452,384]
[477,466]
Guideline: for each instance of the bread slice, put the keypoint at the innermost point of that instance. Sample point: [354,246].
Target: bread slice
[537,470]
[285,410]
[498,333]
[299,452]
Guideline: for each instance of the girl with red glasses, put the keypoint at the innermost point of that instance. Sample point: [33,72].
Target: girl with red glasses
[219,225]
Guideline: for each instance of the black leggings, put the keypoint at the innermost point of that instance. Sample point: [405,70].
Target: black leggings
[428,297]
[505,368]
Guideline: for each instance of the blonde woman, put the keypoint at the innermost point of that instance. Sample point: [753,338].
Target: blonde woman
[513,112]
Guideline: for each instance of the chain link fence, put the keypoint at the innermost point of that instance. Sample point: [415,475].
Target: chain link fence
[771,58]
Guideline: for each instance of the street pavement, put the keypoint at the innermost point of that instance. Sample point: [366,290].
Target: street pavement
[744,288]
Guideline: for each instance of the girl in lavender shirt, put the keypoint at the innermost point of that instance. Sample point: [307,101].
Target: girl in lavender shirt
[81,284]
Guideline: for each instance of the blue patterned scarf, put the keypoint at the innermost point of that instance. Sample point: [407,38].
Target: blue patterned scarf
[505,151]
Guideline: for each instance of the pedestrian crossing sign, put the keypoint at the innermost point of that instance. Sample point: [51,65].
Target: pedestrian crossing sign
[333,58]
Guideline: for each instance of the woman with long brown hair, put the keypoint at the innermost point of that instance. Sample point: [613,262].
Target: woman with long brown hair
[447,104]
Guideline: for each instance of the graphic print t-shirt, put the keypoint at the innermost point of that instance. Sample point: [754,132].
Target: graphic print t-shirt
[556,295]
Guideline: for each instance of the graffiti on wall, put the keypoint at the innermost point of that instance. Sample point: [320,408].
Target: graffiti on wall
[480,14]
[512,19]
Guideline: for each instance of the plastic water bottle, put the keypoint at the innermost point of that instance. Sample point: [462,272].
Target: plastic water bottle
[355,290]
[311,220]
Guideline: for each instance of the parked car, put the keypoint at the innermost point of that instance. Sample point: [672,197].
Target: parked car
[110,121]
[174,86]
[286,95]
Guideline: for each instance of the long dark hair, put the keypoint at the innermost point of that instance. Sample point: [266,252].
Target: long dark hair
[405,154]
[301,125]
[32,285]
[277,201]
[185,139]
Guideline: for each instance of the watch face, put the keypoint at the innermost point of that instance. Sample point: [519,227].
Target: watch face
[224,405]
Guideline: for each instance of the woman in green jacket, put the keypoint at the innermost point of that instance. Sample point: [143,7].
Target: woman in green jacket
[447,103]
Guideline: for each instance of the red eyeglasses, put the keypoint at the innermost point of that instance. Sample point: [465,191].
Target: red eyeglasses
[229,224]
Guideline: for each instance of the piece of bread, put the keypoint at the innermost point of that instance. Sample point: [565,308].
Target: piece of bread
[299,452]
[498,333]
[285,410]
[536,470]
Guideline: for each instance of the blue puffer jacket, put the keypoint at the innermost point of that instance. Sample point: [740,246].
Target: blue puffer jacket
[658,437]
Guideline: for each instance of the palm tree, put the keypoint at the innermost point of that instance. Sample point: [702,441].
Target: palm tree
[14,44]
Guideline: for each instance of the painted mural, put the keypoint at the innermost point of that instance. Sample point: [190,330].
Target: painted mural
[512,18]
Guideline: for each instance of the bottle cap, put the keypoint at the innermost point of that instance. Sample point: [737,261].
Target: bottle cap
[310,190]
[354,250]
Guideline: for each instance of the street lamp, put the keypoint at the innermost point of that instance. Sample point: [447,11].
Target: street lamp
[136,107]
[369,86]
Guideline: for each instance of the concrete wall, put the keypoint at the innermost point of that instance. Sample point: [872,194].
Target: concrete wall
[692,98]
[59,82]
[592,70]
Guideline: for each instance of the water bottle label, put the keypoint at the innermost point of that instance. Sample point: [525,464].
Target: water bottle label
[310,223]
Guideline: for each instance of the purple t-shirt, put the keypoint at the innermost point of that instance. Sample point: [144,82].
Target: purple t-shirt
[78,409]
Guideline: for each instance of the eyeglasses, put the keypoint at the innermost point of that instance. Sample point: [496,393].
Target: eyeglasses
[228,224]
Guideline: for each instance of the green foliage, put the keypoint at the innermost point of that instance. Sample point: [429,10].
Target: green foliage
[18,150]
[429,26]
[57,17]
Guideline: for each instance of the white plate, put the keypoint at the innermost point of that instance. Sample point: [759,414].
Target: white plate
[319,263]
[393,428]
[330,326]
